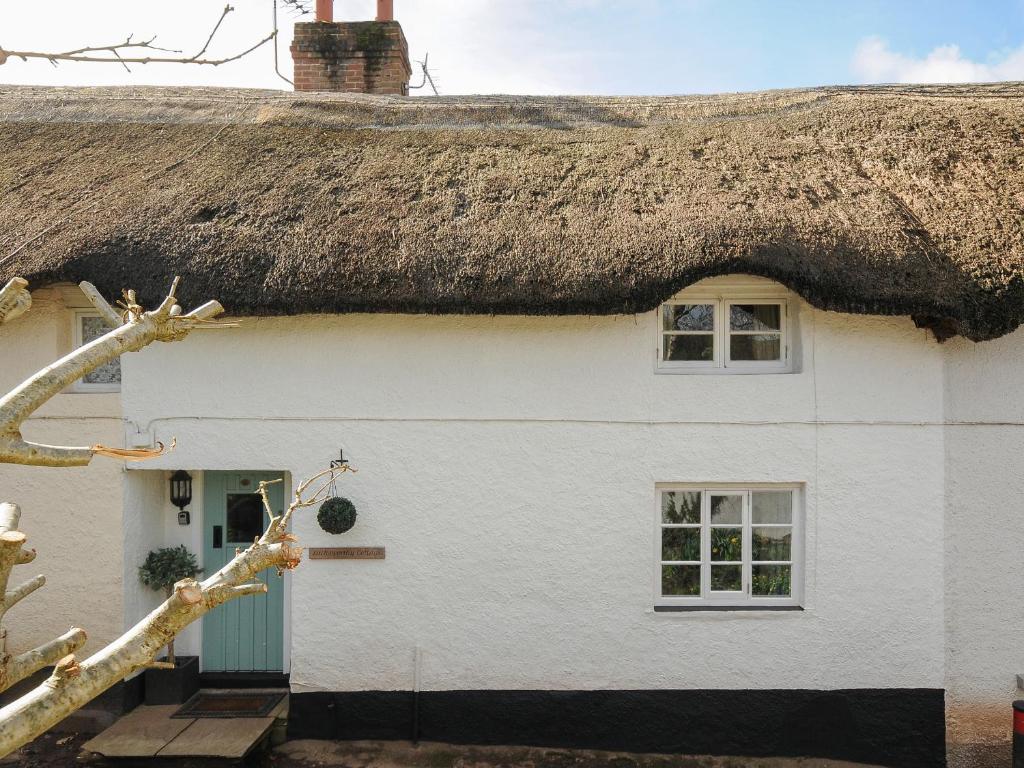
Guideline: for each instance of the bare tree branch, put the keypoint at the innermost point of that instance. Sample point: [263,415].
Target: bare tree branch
[17,668]
[74,683]
[14,299]
[15,596]
[28,663]
[138,328]
[88,53]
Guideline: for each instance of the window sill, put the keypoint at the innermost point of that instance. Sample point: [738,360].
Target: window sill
[709,371]
[693,608]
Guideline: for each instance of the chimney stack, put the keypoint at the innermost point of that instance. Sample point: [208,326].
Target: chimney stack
[352,56]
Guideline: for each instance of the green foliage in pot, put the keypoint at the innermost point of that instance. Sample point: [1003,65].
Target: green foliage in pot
[163,569]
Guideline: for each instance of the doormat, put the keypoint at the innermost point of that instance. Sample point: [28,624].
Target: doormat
[230,704]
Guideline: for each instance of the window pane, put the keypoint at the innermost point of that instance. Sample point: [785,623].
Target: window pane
[680,580]
[771,543]
[761,346]
[680,544]
[771,507]
[688,317]
[755,317]
[680,507]
[244,517]
[726,510]
[110,372]
[726,544]
[726,578]
[699,347]
[771,580]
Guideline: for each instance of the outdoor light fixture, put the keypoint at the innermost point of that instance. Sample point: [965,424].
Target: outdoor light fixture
[181,494]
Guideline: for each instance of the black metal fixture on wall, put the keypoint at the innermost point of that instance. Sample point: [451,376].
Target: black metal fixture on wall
[181,494]
[337,514]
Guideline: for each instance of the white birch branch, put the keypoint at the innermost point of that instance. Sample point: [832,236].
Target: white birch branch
[110,315]
[17,668]
[15,596]
[27,664]
[140,328]
[74,683]
[14,299]
[131,331]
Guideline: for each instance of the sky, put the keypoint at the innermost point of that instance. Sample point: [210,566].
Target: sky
[558,46]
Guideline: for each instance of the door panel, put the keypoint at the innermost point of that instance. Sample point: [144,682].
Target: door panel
[245,634]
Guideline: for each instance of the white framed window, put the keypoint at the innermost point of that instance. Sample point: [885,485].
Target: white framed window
[87,326]
[722,545]
[724,334]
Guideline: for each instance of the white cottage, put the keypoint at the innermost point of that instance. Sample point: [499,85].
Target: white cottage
[685,424]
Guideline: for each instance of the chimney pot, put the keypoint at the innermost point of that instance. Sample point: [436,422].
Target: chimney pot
[325,10]
[385,10]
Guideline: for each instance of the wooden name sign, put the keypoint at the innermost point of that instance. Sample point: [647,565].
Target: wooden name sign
[346,553]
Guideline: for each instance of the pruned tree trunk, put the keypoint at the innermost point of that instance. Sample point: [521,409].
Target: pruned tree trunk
[74,683]
[14,669]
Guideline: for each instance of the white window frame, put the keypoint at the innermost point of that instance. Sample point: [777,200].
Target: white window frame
[744,599]
[85,387]
[722,363]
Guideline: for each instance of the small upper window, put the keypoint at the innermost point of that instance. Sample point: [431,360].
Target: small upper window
[738,335]
[107,378]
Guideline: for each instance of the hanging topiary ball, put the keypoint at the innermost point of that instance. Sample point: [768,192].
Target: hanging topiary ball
[337,515]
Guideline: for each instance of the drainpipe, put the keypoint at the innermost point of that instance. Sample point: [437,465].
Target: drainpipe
[417,664]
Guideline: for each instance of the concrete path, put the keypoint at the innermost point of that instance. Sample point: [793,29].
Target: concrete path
[398,754]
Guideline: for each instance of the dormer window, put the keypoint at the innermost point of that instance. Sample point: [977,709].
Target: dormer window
[724,334]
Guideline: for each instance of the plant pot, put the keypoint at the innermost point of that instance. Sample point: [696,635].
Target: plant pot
[173,686]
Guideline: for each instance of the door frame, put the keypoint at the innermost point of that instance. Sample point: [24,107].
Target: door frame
[199,542]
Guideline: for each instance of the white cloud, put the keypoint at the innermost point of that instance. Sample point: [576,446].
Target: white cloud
[875,62]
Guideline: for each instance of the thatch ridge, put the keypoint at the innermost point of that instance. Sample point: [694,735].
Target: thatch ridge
[882,199]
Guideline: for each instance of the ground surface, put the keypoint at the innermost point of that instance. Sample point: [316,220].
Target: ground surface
[371,754]
[62,751]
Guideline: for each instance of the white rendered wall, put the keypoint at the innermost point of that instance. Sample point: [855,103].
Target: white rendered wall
[984,536]
[72,516]
[151,522]
[509,464]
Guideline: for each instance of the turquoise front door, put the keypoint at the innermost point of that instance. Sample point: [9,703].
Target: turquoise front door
[246,634]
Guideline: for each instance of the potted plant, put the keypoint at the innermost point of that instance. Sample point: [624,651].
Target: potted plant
[161,570]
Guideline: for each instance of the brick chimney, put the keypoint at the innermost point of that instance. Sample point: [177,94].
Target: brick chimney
[352,56]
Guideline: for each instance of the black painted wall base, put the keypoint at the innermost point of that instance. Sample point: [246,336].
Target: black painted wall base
[902,727]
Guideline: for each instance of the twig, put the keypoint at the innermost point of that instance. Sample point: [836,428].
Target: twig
[84,54]
[227,9]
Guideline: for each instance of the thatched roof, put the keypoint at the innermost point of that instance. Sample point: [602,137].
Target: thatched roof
[888,200]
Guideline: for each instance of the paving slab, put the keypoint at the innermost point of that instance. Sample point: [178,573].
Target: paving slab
[225,737]
[141,733]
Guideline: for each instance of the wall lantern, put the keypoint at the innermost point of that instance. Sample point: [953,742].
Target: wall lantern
[181,494]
